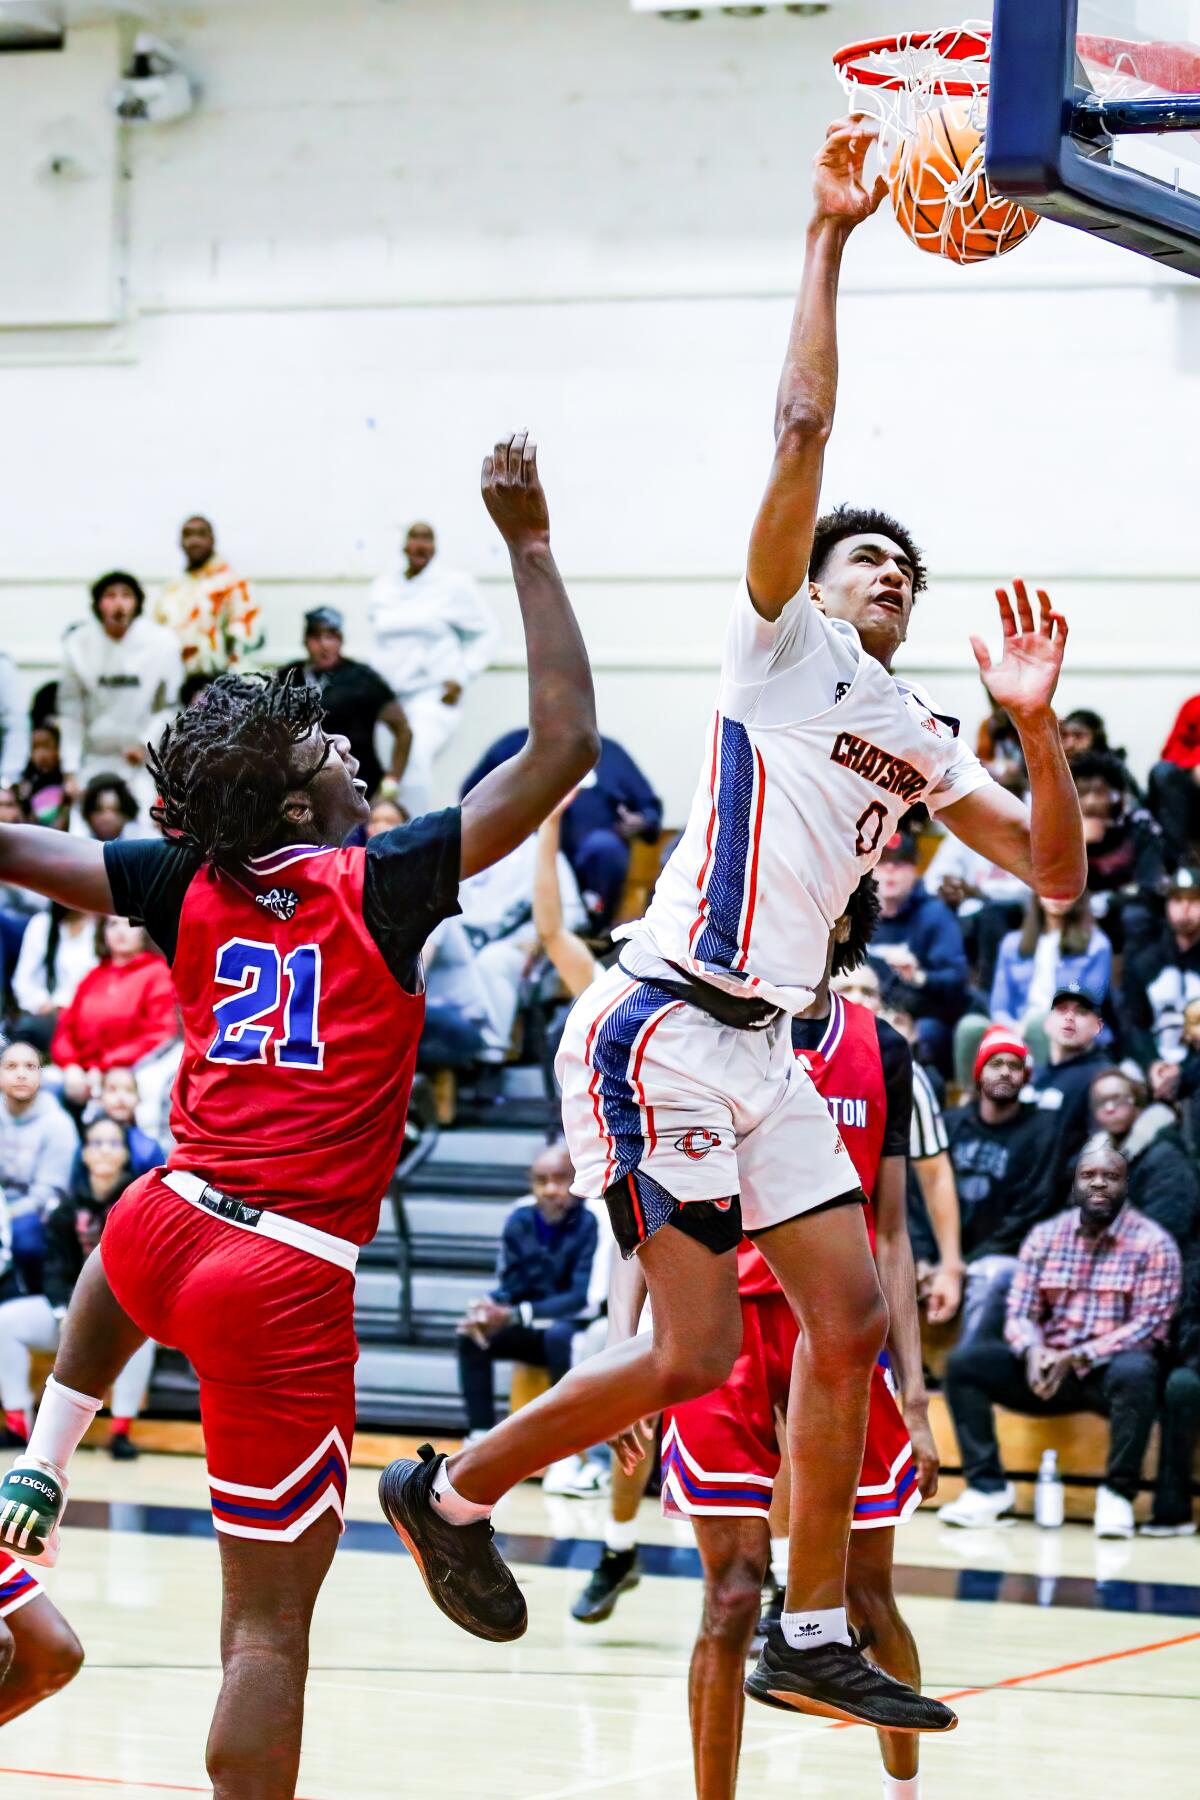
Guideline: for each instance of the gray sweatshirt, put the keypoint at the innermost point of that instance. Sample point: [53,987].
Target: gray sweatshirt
[37,1149]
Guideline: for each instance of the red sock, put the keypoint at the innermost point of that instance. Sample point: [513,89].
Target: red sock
[18,1422]
[120,1427]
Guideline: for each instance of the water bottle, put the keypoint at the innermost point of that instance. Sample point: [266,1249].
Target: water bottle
[1048,1493]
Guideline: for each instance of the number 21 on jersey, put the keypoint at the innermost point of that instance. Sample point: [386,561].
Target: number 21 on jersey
[258,972]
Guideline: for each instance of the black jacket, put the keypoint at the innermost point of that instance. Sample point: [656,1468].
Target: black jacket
[1005,1176]
[1062,1092]
[551,1268]
[65,1252]
[1163,1182]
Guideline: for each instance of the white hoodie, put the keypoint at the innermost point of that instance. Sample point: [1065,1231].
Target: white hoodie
[114,692]
[431,629]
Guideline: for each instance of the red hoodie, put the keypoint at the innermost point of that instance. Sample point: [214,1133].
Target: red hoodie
[118,1016]
[1183,746]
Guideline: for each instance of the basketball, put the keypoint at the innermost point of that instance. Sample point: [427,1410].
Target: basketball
[941,194]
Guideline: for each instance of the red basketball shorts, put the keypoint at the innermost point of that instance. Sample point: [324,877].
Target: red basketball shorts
[269,1330]
[720,1453]
[18,1585]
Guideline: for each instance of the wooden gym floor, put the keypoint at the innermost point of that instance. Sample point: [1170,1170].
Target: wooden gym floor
[1078,1665]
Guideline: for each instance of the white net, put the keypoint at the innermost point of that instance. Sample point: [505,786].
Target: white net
[928,91]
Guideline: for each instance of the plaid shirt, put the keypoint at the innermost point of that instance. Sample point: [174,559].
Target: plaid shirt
[1093,1296]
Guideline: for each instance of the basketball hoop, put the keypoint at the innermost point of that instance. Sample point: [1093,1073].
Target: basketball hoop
[928,90]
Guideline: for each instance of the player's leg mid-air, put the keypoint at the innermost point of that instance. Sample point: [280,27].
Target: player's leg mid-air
[682,1103]
[242,1252]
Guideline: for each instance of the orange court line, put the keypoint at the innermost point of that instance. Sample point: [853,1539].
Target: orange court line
[1086,1662]
[115,1781]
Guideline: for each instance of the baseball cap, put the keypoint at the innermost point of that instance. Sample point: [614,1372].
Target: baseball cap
[900,847]
[1000,1041]
[1185,880]
[1073,990]
[323,618]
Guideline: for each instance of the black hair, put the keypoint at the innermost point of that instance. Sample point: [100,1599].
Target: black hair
[862,910]
[59,913]
[193,686]
[109,784]
[225,767]
[115,576]
[858,521]
[20,1043]
[1091,721]
[47,724]
[1102,765]
[1137,1087]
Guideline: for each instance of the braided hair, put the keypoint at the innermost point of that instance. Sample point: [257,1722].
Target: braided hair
[862,910]
[225,767]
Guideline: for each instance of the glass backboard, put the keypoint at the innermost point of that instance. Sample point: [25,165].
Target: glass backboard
[1094,118]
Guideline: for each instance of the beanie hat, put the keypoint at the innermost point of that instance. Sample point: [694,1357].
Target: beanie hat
[1000,1041]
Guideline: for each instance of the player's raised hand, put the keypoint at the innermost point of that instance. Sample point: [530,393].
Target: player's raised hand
[513,492]
[1024,680]
[839,182]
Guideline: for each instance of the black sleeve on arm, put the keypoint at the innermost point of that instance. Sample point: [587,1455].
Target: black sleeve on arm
[411,885]
[149,878]
[898,1085]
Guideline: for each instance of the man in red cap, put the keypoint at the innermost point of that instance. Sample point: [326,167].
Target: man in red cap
[1005,1156]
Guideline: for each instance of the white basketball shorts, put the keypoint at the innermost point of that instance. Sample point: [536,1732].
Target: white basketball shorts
[654,1088]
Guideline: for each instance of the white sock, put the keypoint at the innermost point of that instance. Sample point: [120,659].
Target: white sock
[620,1537]
[809,1630]
[62,1419]
[895,1789]
[451,1504]
[779,1560]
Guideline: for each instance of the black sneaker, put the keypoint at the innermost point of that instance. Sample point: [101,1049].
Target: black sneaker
[466,1576]
[772,1612]
[122,1448]
[836,1681]
[617,1572]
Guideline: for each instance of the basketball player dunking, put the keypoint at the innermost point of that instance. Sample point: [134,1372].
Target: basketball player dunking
[297,968]
[721,1452]
[682,1102]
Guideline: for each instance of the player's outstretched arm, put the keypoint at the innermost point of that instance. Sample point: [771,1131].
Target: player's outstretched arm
[781,541]
[68,869]
[563,742]
[1042,843]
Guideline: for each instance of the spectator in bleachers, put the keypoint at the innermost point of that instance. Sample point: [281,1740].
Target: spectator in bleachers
[1175,785]
[58,949]
[42,787]
[16,906]
[108,809]
[210,611]
[1179,1420]
[37,1149]
[1083,731]
[1005,1158]
[612,807]
[918,938]
[1178,1083]
[33,1321]
[1058,946]
[985,899]
[123,1013]
[1062,1085]
[1126,850]
[458,1031]
[14,723]
[540,1299]
[118,1100]
[1162,978]
[1163,1182]
[1088,1313]
[355,698]
[434,635]
[385,816]
[118,688]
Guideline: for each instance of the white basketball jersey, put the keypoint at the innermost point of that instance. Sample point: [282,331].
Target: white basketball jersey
[814,755]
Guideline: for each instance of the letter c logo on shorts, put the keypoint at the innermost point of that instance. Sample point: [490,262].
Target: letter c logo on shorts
[697,1143]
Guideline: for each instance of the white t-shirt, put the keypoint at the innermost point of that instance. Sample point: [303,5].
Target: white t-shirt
[814,755]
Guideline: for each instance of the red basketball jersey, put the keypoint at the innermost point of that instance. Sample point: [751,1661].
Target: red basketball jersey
[299,1039]
[846,1068]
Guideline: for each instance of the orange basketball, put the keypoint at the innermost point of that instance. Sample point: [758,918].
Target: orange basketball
[941,194]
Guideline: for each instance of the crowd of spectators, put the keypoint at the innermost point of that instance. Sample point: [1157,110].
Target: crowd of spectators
[1057,1105]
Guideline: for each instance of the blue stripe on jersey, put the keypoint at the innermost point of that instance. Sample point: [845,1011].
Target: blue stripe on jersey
[611,1056]
[715,1492]
[891,1504]
[731,853]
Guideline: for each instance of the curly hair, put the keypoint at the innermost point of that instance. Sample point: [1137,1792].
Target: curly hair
[225,767]
[862,910]
[858,521]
